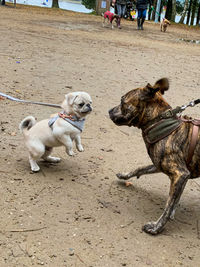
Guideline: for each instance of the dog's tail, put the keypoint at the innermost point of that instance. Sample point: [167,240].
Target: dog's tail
[26,124]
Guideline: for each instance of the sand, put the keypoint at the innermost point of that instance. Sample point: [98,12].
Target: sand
[76,213]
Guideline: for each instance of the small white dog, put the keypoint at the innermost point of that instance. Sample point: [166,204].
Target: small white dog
[61,130]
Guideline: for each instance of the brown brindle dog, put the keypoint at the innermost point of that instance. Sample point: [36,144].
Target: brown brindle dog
[169,155]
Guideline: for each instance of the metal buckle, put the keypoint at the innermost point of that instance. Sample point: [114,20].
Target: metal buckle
[191,104]
[168,114]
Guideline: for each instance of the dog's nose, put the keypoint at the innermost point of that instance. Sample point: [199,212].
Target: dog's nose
[89,107]
[110,111]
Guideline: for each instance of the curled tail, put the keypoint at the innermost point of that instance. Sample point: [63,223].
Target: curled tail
[27,123]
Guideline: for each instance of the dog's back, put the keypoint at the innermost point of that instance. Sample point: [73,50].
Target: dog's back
[163,24]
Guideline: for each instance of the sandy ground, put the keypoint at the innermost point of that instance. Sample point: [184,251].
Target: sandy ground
[76,213]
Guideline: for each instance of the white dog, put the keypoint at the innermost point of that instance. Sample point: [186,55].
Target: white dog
[61,130]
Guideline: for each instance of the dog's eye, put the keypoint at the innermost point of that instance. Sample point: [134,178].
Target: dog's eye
[81,105]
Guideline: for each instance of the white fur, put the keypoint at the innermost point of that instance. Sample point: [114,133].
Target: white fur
[40,138]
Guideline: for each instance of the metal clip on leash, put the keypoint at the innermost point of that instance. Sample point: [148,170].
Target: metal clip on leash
[190,104]
[178,110]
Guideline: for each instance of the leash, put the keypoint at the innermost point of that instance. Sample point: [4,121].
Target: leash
[28,101]
[190,104]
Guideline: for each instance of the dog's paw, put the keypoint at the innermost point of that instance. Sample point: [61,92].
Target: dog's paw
[80,148]
[35,169]
[52,159]
[71,153]
[151,228]
[123,176]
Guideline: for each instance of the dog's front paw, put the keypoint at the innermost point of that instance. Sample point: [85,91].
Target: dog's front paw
[123,176]
[70,153]
[151,228]
[35,168]
[80,148]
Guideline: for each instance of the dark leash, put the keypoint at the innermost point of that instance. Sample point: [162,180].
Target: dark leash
[28,101]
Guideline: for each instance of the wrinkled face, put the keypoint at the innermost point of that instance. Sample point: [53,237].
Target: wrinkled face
[78,103]
[128,112]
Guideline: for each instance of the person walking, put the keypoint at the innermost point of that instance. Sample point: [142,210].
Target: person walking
[141,6]
[121,8]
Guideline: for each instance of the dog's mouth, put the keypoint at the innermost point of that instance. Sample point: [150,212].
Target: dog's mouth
[118,118]
[87,111]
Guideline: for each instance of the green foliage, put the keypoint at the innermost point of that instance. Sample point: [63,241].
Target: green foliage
[90,4]
[179,7]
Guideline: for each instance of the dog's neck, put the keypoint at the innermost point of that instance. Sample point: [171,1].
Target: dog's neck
[151,112]
[71,114]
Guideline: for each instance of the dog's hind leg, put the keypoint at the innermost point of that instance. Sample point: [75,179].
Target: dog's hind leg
[34,165]
[36,151]
[178,182]
[47,156]
[138,172]
[103,23]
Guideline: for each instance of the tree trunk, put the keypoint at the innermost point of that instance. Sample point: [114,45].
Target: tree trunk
[173,10]
[149,13]
[184,11]
[168,14]
[189,12]
[154,8]
[3,2]
[198,15]
[55,4]
[194,5]
[161,8]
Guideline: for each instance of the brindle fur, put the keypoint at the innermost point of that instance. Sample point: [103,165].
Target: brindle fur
[168,155]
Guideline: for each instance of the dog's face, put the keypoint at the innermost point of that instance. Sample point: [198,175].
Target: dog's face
[166,22]
[137,103]
[78,104]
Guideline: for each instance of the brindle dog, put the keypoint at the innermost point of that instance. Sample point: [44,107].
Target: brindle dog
[169,155]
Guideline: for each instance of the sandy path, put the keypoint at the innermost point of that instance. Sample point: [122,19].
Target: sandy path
[78,207]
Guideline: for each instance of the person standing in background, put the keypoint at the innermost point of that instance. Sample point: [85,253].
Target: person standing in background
[141,6]
[121,7]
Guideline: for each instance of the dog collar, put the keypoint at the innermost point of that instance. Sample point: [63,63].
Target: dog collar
[73,120]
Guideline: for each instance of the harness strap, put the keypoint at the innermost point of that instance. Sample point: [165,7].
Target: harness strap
[73,120]
[193,142]
[169,113]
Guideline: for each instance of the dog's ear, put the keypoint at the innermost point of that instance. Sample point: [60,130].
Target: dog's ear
[149,91]
[70,98]
[68,101]
[161,85]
